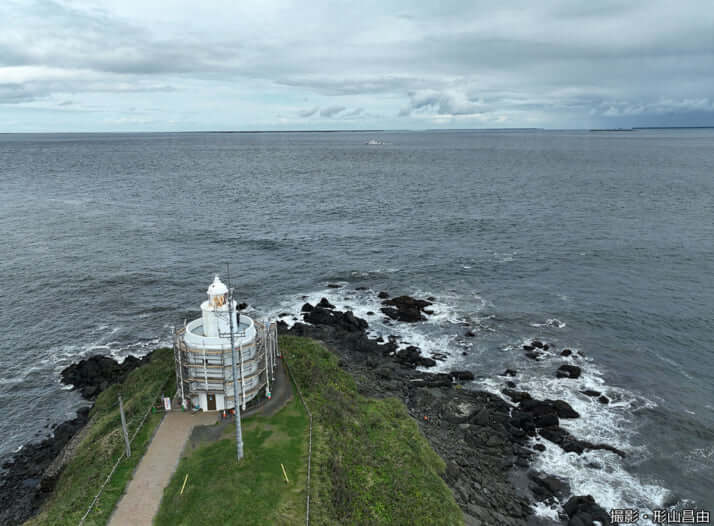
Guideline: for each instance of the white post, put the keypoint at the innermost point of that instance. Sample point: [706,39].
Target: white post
[123,427]
[266,350]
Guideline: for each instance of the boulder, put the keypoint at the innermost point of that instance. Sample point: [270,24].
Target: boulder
[405,308]
[564,409]
[383,295]
[346,321]
[242,306]
[469,334]
[532,355]
[462,375]
[412,356]
[537,344]
[547,487]
[583,510]
[566,352]
[603,399]
[591,392]
[307,308]
[568,371]
[325,304]
[516,396]
[528,347]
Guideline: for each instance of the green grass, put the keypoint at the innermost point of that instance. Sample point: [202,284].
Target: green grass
[221,490]
[370,465]
[103,444]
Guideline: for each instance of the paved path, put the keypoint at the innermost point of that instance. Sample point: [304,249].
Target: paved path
[141,501]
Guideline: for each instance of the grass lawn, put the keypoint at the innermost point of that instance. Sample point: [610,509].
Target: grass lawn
[221,490]
[103,444]
[370,464]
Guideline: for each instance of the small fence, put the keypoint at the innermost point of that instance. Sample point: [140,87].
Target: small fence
[123,455]
[309,443]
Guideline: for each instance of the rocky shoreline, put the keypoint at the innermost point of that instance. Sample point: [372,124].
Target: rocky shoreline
[29,475]
[484,440]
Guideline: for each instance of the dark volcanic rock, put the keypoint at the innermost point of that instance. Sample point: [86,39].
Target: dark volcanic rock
[24,487]
[583,510]
[603,399]
[516,396]
[591,392]
[568,371]
[405,308]
[412,356]
[532,355]
[325,304]
[462,375]
[537,344]
[509,372]
[344,320]
[96,373]
[333,285]
[468,334]
[307,308]
[383,295]
[242,306]
[545,487]
[528,347]
[564,409]
[566,352]
[569,443]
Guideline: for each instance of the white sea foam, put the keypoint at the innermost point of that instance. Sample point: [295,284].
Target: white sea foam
[551,322]
[612,485]
[542,510]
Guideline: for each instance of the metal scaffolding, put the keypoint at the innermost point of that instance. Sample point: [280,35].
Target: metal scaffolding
[204,371]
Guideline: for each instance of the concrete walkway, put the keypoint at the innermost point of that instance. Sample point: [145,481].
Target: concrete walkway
[143,495]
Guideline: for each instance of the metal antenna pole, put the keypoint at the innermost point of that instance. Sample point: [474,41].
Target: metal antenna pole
[239,431]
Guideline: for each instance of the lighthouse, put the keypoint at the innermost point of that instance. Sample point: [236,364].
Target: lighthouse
[204,358]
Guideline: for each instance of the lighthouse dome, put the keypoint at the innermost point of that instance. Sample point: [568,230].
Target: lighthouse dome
[217,288]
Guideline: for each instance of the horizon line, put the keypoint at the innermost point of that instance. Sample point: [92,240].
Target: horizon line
[369,130]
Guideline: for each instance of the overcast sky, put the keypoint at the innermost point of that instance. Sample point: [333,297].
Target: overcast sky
[129,65]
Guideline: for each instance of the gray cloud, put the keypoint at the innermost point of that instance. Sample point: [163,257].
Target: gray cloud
[308,112]
[332,111]
[546,63]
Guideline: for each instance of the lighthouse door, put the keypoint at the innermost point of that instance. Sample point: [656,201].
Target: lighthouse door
[211,402]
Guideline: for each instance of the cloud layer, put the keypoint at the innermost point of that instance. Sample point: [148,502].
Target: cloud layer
[80,65]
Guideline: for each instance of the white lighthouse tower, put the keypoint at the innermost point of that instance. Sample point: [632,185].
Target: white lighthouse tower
[204,358]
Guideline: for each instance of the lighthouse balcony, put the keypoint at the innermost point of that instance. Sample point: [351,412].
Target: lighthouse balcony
[201,385]
[195,337]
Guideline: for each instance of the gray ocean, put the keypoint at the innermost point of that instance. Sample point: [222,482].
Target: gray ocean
[599,242]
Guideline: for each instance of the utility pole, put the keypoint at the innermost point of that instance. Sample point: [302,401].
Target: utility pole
[123,426]
[239,431]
